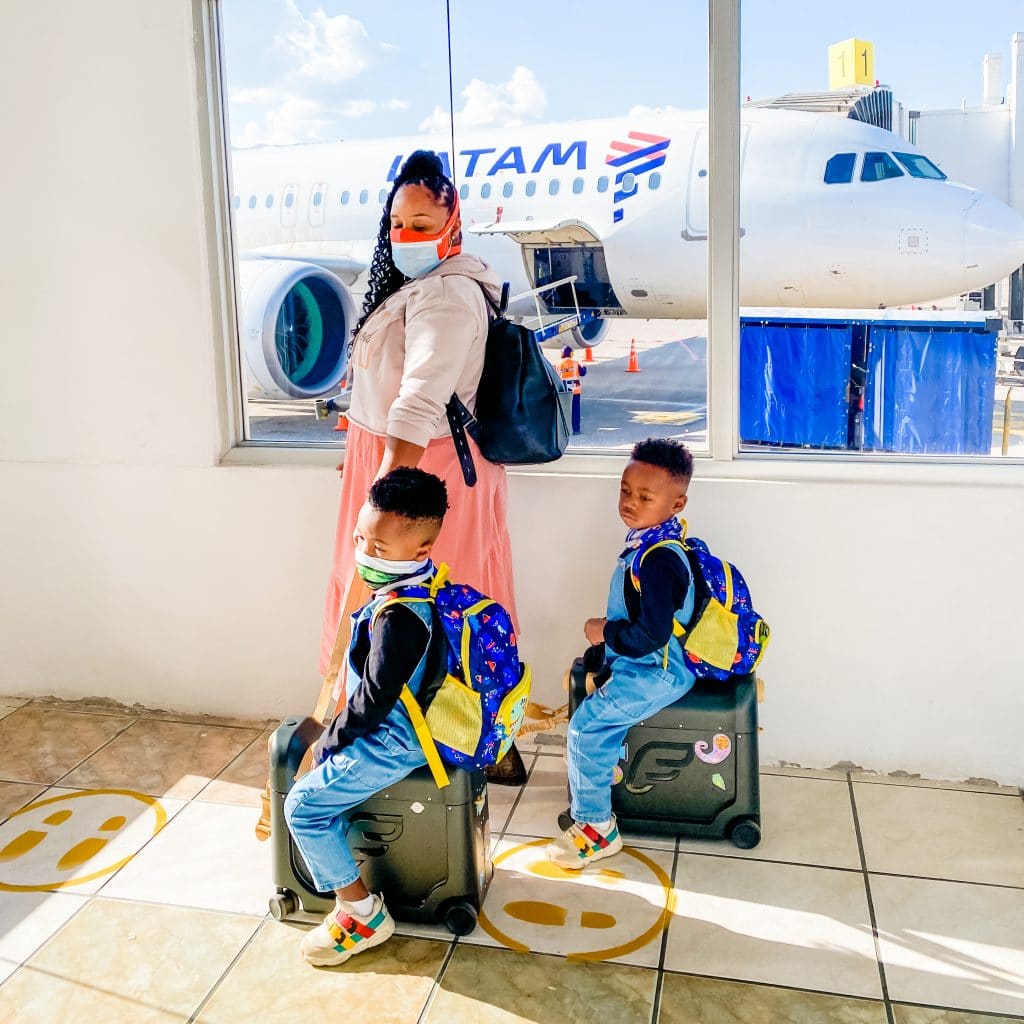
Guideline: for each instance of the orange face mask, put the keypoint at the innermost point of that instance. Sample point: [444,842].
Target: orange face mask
[415,254]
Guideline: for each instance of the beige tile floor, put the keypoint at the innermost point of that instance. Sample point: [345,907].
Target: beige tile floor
[132,889]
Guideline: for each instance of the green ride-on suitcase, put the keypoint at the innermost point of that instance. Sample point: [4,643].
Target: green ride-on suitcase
[691,769]
[426,850]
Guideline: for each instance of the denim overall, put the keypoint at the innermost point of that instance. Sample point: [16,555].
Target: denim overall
[317,804]
[637,689]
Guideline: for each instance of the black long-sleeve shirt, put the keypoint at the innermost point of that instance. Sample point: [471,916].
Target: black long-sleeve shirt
[385,661]
[664,579]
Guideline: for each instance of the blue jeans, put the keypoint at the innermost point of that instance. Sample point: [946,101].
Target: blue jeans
[597,729]
[316,805]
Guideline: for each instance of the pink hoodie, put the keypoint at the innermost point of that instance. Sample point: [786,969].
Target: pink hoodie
[418,347]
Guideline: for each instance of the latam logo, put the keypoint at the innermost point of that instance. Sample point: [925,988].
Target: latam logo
[487,162]
[641,154]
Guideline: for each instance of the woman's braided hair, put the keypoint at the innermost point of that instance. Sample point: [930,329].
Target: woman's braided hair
[424,168]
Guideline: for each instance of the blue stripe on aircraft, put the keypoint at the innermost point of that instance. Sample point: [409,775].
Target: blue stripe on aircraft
[649,166]
[638,154]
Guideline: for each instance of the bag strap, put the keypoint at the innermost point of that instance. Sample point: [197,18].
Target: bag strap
[459,417]
[409,701]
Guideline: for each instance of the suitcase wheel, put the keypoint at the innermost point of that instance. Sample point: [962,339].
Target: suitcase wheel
[745,833]
[459,916]
[283,905]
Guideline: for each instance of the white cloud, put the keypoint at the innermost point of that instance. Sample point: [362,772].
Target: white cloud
[507,104]
[288,118]
[292,119]
[329,49]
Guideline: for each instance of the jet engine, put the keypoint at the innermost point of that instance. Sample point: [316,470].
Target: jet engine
[590,335]
[296,319]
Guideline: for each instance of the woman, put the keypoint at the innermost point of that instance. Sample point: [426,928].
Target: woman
[420,339]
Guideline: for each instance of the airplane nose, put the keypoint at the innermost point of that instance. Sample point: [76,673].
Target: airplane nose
[993,241]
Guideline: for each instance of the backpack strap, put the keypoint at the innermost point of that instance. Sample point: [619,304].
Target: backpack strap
[459,417]
[409,701]
[678,630]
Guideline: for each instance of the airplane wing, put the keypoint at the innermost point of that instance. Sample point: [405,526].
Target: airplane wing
[347,260]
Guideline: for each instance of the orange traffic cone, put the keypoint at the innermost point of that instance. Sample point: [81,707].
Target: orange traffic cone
[633,366]
[588,356]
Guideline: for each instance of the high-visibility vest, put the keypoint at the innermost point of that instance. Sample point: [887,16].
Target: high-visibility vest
[569,369]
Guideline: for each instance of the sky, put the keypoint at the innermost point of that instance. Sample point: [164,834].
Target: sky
[322,70]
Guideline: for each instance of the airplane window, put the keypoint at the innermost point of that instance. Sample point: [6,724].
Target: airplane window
[506,189]
[252,202]
[602,183]
[553,187]
[920,166]
[485,190]
[364,197]
[289,200]
[878,167]
[269,201]
[382,196]
[318,198]
[463,191]
[531,187]
[839,169]
[577,186]
[345,197]
[628,182]
[654,181]
[238,202]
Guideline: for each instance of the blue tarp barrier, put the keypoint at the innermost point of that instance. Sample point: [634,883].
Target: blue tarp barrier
[793,379]
[929,390]
[928,387]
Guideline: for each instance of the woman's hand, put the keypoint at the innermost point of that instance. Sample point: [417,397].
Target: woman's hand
[398,453]
[593,630]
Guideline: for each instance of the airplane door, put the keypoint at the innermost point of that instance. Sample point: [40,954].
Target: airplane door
[695,226]
[317,203]
[289,203]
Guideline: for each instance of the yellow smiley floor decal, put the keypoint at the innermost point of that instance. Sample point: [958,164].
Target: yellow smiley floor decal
[601,913]
[75,838]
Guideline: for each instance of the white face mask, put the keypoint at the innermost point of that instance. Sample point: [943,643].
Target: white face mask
[414,259]
[378,573]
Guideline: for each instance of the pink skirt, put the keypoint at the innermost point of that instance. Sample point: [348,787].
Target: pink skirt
[473,540]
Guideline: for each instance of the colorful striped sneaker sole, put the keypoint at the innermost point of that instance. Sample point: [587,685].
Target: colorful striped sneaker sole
[579,846]
[349,936]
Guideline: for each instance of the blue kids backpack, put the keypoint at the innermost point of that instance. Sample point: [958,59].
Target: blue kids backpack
[480,705]
[724,636]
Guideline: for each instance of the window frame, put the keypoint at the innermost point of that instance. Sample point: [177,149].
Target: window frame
[722,461]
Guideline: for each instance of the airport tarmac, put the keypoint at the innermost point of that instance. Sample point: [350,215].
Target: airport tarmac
[667,398]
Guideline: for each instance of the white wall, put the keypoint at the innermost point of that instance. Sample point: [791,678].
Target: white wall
[137,568]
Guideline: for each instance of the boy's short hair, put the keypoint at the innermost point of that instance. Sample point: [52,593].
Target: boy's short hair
[411,493]
[670,455]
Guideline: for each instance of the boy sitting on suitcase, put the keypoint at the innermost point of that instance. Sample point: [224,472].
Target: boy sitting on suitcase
[651,583]
[371,744]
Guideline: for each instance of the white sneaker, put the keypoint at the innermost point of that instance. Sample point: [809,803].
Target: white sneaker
[580,845]
[344,933]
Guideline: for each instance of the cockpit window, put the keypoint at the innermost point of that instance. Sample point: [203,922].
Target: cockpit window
[919,166]
[878,167]
[839,169]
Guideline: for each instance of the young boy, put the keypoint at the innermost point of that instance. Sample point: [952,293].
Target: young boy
[648,671]
[371,744]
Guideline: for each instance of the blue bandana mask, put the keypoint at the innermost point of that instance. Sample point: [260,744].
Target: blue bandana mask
[671,529]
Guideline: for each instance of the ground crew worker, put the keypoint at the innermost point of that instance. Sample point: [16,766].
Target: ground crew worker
[571,370]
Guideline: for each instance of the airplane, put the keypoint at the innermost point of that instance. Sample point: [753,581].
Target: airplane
[834,212]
